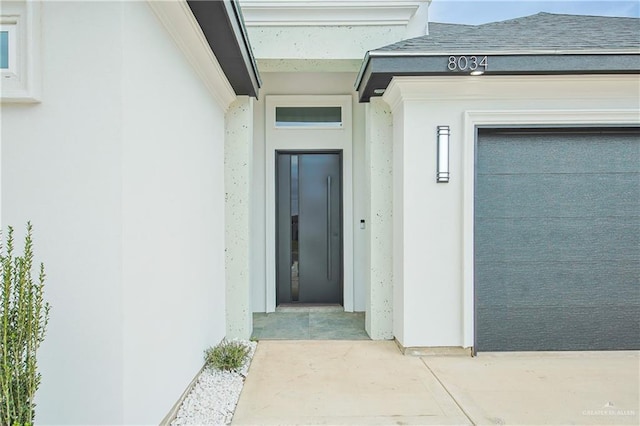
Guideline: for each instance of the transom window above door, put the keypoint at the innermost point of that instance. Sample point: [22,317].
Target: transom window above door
[308,117]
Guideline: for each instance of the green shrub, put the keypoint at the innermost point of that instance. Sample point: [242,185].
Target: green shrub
[226,355]
[23,320]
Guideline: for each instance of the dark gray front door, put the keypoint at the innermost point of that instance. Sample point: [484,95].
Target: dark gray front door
[309,228]
[557,239]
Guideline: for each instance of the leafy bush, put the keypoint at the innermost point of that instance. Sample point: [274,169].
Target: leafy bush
[23,319]
[226,355]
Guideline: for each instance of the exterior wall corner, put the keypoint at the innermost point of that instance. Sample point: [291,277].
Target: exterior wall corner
[379,160]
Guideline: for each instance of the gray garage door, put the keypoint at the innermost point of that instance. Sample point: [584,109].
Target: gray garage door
[557,239]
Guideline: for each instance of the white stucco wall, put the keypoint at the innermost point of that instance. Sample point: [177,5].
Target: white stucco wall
[173,219]
[61,168]
[319,36]
[313,30]
[327,30]
[321,42]
[305,84]
[433,223]
[120,168]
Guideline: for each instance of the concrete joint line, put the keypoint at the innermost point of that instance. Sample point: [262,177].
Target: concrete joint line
[449,393]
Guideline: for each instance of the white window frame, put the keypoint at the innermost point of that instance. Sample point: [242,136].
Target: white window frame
[21,81]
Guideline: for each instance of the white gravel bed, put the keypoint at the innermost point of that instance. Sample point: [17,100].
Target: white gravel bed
[214,396]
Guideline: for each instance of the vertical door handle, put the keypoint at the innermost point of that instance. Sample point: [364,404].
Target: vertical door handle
[329,227]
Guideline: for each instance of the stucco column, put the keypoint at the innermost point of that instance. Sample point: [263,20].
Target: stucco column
[237,169]
[379,158]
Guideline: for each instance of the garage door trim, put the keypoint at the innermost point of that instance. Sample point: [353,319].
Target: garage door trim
[474,120]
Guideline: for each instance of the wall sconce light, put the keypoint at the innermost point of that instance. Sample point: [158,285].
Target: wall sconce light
[442,175]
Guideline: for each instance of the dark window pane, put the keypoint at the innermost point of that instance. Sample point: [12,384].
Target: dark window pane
[308,116]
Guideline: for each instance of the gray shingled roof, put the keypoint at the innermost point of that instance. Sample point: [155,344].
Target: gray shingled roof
[540,32]
[541,44]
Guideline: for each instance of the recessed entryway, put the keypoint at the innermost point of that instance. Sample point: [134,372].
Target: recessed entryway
[309,201]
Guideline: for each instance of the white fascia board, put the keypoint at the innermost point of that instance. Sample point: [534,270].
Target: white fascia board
[178,20]
[508,87]
[328,13]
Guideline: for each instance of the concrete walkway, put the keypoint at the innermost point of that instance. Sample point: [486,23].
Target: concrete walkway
[371,382]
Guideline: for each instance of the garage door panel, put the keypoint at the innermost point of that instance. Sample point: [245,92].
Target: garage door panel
[557,328]
[557,240]
[551,239]
[540,195]
[494,321]
[553,153]
[558,283]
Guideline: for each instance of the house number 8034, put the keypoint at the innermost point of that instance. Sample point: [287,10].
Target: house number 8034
[467,63]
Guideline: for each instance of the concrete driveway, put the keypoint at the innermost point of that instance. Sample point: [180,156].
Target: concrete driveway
[371,382]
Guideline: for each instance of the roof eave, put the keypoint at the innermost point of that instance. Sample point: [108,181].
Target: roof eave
[247,50]
[363,67]
[381,66]
[222,25]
